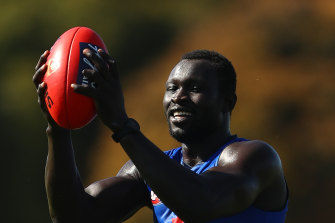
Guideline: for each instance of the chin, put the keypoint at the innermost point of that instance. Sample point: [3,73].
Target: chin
[189,134]
[178,133]
[179,137]
[183,135]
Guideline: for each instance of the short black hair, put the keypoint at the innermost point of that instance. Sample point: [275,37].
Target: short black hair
[224,68]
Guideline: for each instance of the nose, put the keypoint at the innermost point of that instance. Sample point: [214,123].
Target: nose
[179,96]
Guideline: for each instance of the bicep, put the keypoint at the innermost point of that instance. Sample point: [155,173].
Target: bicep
[241,177]
[229,191]
[117,198]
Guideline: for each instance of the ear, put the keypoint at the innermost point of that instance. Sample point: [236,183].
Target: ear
[228,103]
[233,102]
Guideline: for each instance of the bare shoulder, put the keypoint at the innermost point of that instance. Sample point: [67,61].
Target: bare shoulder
[130,170]
[117,198]
[250,155]
[128,177]
[261,162]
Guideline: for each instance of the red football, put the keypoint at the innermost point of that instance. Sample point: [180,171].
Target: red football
[65,63]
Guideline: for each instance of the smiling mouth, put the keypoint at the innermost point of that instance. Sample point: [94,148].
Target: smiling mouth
[178,116]
[181,114]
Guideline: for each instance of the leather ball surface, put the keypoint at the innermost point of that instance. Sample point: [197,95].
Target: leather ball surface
[65,64]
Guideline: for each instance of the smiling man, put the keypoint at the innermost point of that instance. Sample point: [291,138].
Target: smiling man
[213,177]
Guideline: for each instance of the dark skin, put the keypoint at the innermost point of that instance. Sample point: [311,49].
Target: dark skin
[249,173]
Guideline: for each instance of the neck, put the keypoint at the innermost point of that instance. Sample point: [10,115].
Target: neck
[199,150]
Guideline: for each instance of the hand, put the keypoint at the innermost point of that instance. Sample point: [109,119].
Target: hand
[41,88]
[107,93]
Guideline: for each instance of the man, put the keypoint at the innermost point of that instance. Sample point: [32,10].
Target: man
[213,177]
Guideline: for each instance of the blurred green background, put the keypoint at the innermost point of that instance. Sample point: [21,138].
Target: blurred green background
[283,52]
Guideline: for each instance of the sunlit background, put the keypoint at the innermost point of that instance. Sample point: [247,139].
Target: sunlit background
[283,52]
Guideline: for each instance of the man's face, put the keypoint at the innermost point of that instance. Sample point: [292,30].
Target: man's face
[192,103]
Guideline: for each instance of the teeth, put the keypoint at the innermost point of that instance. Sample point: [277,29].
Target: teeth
[181,113]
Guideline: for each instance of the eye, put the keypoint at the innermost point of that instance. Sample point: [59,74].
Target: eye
[171,88]
[195,88]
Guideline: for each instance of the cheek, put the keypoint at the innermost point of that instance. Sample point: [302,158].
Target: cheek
[166,102]
[207,105]
[201,100]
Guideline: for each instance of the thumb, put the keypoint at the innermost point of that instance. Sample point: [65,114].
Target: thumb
[84,90]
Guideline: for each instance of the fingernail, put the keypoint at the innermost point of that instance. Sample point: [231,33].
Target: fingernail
[86,50]
[73,85]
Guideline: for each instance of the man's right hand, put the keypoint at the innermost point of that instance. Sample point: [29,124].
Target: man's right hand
[41,88]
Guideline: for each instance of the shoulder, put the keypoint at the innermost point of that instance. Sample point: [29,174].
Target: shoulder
[255,159]
[119,196]
[252,154]
[261,162]
[128,178]
[129,170]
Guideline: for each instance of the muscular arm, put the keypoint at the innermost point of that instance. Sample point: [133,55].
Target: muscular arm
[120,196]
[221,191]
[62,180]
[110,200]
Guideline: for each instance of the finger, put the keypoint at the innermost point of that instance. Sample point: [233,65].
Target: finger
[93,76]
[97,60]
[84,90]
[39,74]
[42,60]
[111,62]
[106,56]
[41,90]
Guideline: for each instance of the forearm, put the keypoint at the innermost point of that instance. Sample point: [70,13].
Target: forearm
[164,175]
[62,180]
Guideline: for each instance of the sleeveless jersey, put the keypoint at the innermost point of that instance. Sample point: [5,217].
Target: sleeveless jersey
[163,214]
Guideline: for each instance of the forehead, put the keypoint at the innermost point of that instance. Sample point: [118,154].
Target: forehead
[195,70]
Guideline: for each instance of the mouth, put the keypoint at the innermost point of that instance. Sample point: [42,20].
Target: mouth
[179,116]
